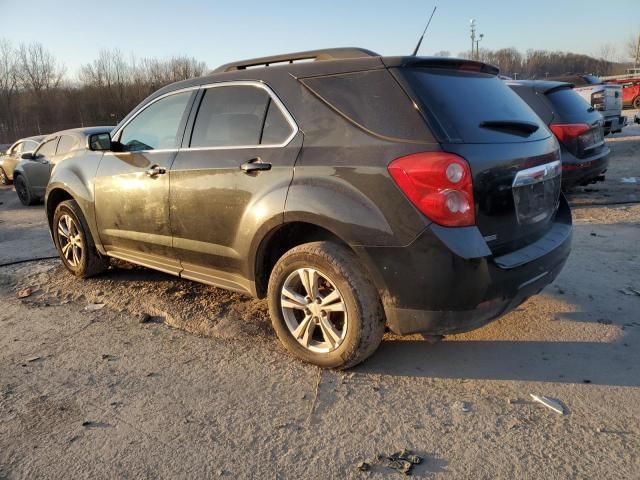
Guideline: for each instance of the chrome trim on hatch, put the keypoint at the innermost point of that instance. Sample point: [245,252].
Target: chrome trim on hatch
[537,174]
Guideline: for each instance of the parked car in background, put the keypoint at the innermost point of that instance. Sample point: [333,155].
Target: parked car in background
[31,174]
[631,93]
[577,125]
[425,196]
[11,157]
[637,118]
[606,98]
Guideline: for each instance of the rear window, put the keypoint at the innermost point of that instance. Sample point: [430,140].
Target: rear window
[568,104]
[457,102]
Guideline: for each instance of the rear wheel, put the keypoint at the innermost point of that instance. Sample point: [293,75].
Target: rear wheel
[22,189]
[323,307]
[636,103]
[4,180]
[74,242]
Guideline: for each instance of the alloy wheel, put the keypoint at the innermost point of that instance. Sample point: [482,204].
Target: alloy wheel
[70,241]
[314,310]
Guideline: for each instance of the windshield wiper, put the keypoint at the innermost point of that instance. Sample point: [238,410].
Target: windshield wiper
[514,126]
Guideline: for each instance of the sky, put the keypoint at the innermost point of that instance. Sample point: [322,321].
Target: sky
[217,32]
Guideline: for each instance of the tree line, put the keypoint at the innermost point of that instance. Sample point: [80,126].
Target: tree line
[37,97]
[540,64]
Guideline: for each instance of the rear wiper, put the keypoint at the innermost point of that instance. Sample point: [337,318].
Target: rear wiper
[516,126]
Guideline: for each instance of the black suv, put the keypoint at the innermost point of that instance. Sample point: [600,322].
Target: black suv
[577,125]
[354,191]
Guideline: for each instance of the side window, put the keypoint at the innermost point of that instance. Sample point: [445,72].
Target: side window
[17,149]
[276,127]
[29,146]
[230,116]
[48,149]
[157,126]
[66,144]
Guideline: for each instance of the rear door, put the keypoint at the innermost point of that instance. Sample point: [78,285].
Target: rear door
[12,158]
[230,179]
[132,183]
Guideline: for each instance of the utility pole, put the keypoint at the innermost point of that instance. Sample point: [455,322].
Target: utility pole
[637,61]
[478,47]
[473,36]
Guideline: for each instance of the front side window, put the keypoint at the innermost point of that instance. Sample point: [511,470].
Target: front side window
[238,116]
[48,149]
[29,146]
[157,126]
[17,149]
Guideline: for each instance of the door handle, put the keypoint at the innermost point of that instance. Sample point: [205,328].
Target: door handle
[156,170]
[255,165]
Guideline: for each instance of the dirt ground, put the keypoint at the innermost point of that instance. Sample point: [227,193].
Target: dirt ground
[202,389]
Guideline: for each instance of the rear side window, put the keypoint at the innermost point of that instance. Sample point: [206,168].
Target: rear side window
[568,104]
[66,144]
[374,101]
[230,116]
[458,102]
[276,127]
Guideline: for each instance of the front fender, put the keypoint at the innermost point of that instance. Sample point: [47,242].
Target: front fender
[75,176]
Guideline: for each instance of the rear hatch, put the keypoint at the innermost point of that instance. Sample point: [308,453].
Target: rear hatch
[605,98]
[577,125]
[514,158]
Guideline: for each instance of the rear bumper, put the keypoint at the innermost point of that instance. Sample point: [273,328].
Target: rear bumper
[576,171]
[614,124]
[448,282]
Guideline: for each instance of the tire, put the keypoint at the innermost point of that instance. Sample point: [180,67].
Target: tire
[23,191]
[355,311]
[4,180]
[636,103]
[78,255]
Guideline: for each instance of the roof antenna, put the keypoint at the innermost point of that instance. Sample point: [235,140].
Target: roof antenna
[415,52]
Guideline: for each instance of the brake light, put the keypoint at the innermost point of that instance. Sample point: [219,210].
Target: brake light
[439,184]
[598,100]
[568,132]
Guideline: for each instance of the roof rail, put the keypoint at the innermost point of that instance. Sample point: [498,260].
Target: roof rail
[311,55]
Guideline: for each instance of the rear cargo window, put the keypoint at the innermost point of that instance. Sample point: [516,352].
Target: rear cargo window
[568,104]
[374,101]
[459,102]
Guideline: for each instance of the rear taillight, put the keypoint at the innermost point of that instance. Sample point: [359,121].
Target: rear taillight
[568,132]
[439,184]
[598,100]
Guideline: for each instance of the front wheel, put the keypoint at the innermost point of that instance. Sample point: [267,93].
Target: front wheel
[74,243]
[323,307]
[22,189]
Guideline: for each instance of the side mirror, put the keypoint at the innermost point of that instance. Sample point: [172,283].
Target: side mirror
[27,156]
[100,142]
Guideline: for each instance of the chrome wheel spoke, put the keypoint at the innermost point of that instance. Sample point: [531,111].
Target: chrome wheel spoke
[309,279]
[65,249]
[291,299]
[329,332]
[304,332]
[334,307]
[329,299]
[70,240]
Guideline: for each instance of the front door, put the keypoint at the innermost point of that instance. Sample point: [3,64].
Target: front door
[132,184]
[230,179]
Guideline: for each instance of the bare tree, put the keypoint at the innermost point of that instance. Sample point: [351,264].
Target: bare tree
[39,70]
[442,53]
